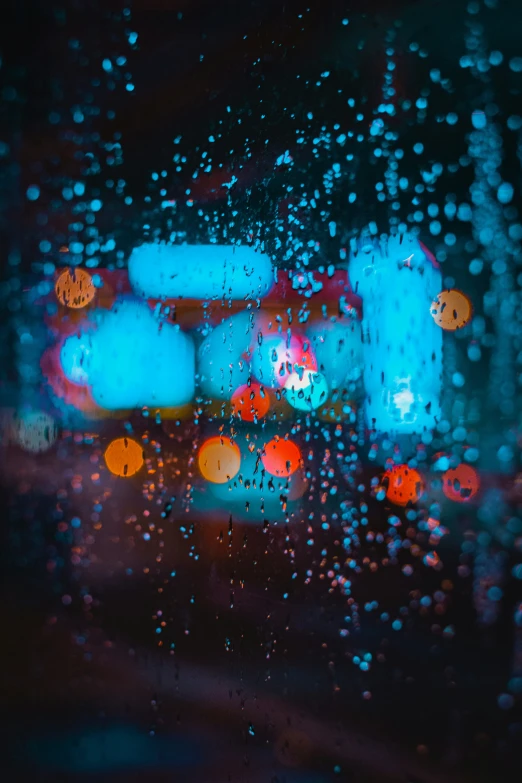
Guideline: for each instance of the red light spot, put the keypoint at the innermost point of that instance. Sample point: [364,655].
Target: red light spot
[281,457]
[250,402]
[405,485]
[461,483]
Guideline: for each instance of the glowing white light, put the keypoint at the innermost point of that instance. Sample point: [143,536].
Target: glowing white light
[403,399]
[274,358]
[306,390]
[34,431]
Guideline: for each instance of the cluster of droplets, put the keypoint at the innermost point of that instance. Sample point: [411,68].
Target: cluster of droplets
[314,191]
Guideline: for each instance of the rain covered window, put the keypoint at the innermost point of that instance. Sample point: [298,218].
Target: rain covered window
[260,391]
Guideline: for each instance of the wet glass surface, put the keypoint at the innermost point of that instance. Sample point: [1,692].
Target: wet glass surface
[260,391]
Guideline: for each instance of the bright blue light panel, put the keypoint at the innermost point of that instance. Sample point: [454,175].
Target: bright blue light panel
[402,345]
[160,270]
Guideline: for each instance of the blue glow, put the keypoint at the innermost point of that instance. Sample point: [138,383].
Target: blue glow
[75,358]
[132,360]
[222,359]
[505,192]
[117,747]
[402,346]
[33,192]
[338,351]
[200,271]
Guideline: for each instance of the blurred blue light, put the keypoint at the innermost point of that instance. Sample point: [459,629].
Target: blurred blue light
[200,271]
[132,360]
[338,350]
[402,348]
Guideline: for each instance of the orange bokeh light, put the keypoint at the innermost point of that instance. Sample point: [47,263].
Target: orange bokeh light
[124,457]
[451,310]
[250,402]
[219,460]
[461,483]
[281,457]
[74,288]
[405,485]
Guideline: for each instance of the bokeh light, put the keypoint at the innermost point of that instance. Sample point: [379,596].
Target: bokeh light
[209,271]
[404,485]
[34,431]
[250,403]
[76,356]
[402,348]
[74,288]
[306,390]
[219,460]
[451,310]
[128,360]
[281,457]
[276,357]
[461,483]
[124,457]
